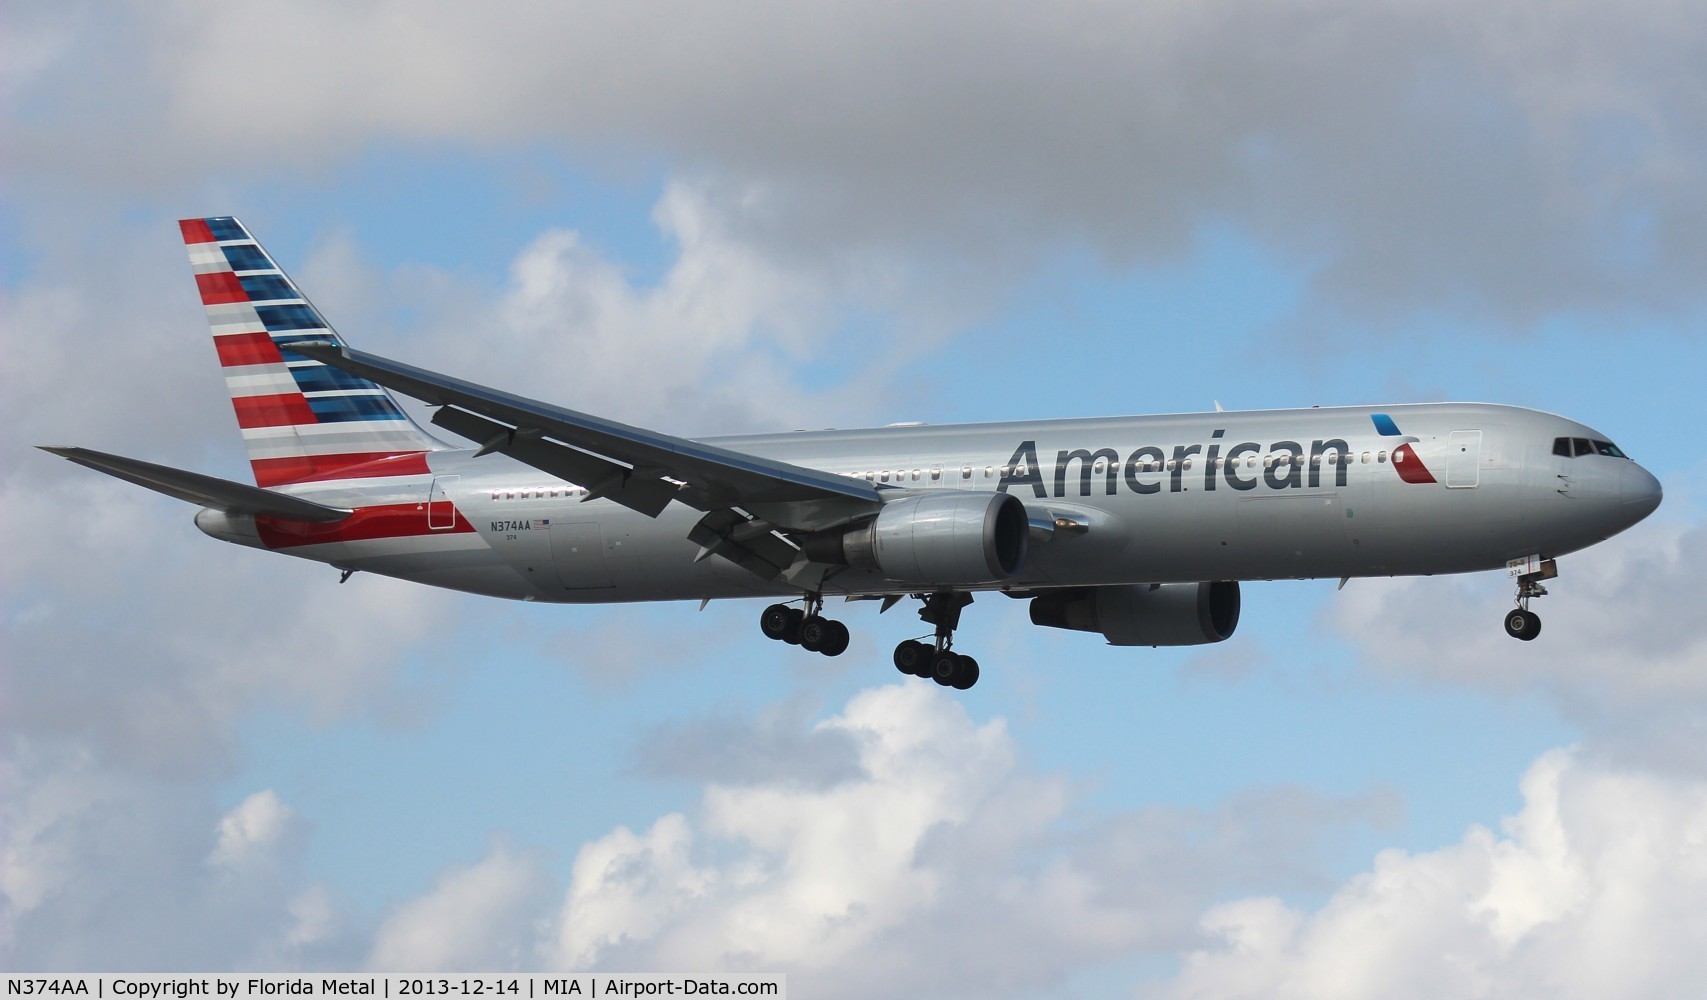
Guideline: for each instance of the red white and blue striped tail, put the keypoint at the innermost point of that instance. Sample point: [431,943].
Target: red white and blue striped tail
[302,421]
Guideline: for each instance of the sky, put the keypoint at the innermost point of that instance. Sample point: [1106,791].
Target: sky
[725,218]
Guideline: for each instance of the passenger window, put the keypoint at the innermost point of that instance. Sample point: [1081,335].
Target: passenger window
[936,473]
[1366,458]
[883,477]
[966,472]
[1381,457]
[915,475]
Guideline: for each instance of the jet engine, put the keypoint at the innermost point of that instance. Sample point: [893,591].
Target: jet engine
[948,539]
[1145,614]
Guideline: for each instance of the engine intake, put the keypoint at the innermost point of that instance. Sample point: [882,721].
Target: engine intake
[957,538]
[1145,614]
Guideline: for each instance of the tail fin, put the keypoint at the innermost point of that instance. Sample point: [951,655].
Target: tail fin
[301,420]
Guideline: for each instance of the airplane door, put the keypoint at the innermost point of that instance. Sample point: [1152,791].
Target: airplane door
[441,513]
[578,554]
[1463,460]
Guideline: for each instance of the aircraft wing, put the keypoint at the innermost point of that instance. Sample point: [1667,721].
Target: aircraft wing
[640,469]
[208,491]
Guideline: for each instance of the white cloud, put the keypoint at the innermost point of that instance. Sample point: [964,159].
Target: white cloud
[104,870]
[941,865]
[1615,652]
[478,917]
[1491,158]
[253,833]
[1593,890]
[705,349]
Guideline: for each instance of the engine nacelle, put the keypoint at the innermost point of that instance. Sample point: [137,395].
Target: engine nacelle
[1143,614]
[952,539]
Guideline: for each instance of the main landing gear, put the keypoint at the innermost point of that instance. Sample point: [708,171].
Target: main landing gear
[805,627]
[938,660]
[1522,623]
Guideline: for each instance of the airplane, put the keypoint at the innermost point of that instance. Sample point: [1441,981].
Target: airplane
[1138,528]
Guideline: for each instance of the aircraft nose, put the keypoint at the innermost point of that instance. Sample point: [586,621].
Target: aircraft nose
[1639,490]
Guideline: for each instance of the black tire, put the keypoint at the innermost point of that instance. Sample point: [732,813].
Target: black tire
[773,621]
[1521,624]
[813,633]
[836,641]
[944,666]
[912,657]
[966,674]
[796,618]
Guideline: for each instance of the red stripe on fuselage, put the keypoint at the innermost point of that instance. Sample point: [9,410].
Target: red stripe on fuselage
[195,231]
[239,349]
[282,410]
[318,468]
[403,520]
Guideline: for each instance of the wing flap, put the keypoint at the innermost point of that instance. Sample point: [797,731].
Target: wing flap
[208,491]
[601,476]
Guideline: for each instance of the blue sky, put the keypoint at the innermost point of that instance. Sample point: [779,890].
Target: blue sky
[716,221]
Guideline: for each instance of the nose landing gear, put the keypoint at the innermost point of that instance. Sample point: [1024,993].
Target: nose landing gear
[1522,623]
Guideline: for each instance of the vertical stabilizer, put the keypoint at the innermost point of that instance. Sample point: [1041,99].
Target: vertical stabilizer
[301,420]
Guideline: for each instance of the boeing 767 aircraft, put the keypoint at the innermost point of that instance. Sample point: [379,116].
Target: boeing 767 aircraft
[1137,528]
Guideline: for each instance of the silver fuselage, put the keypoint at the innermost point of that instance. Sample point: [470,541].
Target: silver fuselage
[1145,499]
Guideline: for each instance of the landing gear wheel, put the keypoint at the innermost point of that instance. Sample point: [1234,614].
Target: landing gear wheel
[944,666]
[1522,624]
[912,658]
[813,631]
[796,618]
[966,674]
[773,622]
[835,641]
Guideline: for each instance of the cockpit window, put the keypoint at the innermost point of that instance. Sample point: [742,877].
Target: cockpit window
[1578,447]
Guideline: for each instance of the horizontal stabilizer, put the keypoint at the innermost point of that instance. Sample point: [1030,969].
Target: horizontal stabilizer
[220,494]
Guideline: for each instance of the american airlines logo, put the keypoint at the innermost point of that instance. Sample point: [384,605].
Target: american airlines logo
[1281,465]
